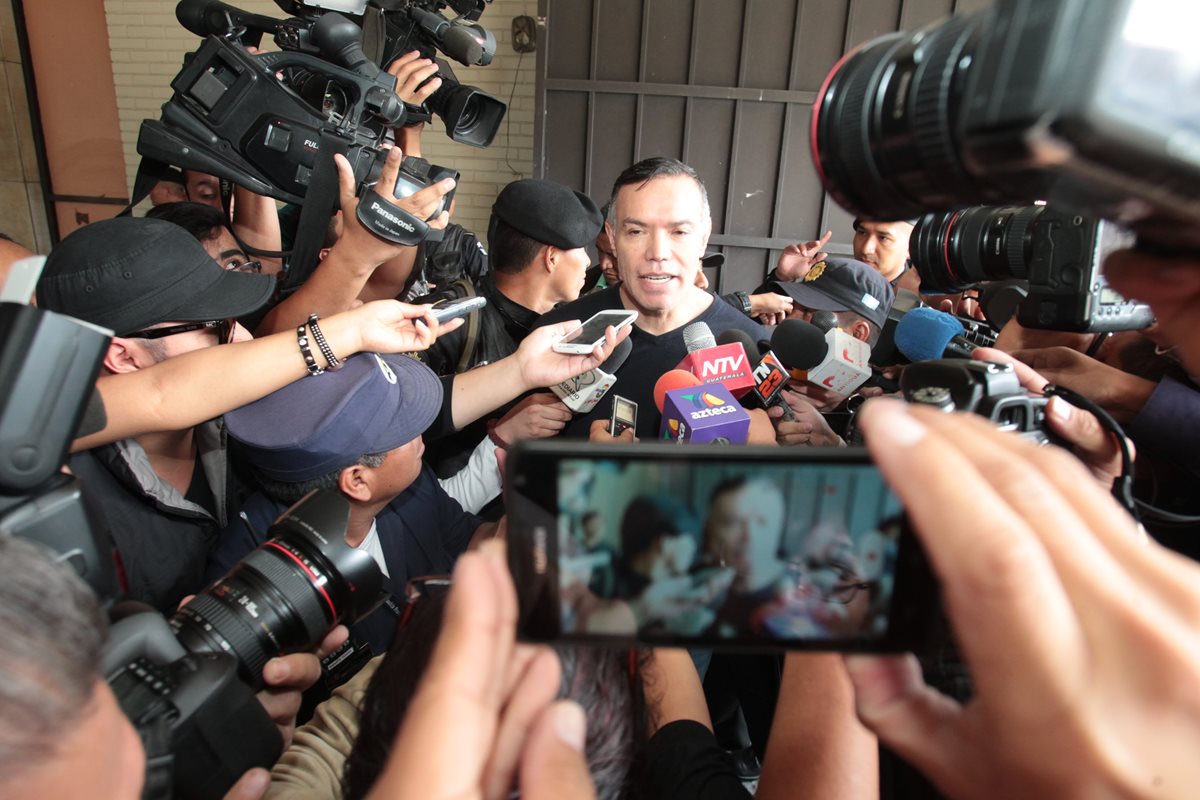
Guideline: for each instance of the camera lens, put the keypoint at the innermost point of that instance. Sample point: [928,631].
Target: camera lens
[885,126]
[955,250]
[287,594]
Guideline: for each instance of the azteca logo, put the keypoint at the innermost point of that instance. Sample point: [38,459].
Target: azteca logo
[702,399]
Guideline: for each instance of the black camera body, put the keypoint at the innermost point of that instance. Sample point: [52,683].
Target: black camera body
[1075,102]
[988,389]
[1059,253]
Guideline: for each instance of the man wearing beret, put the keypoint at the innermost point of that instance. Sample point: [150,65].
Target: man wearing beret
[536,240]
[356,431]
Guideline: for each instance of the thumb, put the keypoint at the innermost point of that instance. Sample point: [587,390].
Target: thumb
[909,717]
[345,180]
[553,765]
[251,786]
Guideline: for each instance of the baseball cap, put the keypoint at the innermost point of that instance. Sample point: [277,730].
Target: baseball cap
[840,283]
[547,212]
[326,422]
[127,273]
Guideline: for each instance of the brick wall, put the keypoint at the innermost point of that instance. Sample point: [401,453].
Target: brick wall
[148,47]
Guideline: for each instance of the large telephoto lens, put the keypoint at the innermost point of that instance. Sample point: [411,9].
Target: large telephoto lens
[885,130]
[959,249]
[285,596]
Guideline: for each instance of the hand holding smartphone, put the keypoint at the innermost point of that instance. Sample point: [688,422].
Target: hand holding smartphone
[459,308]
[584,339]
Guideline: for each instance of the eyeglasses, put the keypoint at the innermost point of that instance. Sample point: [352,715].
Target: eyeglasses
[424,586]
[223,327]
[244,266]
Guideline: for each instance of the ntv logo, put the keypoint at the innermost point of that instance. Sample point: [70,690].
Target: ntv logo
[725,365]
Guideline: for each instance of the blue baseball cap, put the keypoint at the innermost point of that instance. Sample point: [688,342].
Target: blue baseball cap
[324,423]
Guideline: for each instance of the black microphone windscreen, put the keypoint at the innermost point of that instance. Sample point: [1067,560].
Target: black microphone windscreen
[824,321]
[764,346]
[464,45]
[736,336]
[798,344]
[698,336]
[617,357]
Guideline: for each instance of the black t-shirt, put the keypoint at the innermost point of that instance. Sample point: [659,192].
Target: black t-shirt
[650,357]
[683,759]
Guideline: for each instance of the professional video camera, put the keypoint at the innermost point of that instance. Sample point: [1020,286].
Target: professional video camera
[1075,102]
[177,680]
[1058,253]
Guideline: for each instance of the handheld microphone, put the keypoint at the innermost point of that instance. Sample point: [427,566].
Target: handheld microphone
[824,321]
[583,392]
[924,334]
[770,376]
[211,17]
[727,364]
[834,360]
[672,379]
[704,414]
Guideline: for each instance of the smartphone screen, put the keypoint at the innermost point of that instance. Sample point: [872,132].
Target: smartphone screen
[592,331]
[761,548]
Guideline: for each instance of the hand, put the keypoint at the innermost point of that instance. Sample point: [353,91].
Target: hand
[762,430]
[819,398]
[1119,393]
[389,326]
[808,427]
[287,677]
[1013,336]
[770,308]
[536,417]
[363,248]
[485,706]
[253,785]
[540,366]
[797,259]
[598,432]
[411,71]
[1080,635]
[1092,444]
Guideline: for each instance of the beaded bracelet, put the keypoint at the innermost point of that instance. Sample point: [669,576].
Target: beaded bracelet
[322,345]
[306,352]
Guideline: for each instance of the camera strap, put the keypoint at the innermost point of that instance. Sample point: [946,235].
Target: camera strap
[389,221]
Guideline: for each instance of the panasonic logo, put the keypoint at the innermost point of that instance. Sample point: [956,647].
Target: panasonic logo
[713,412]
[383,212]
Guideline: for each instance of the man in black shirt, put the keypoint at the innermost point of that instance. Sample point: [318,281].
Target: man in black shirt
[659,223]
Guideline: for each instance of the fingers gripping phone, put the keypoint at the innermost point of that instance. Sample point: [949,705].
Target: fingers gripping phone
[762,549]
[459,308]
[584,339]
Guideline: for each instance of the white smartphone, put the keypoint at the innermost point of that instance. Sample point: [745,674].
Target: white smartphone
[584,339]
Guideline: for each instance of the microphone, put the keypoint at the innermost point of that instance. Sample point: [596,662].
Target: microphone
[704,414]
[834,360]
[583,392]
[824,321]
[672,379]
[770,376]
[210,17]
[713,363]
[924,334]
[470,45]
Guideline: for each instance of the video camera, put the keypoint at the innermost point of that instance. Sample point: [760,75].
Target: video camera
[1075,102]
[187,684]
[1059,253]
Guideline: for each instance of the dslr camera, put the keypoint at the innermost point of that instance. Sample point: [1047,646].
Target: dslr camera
[1072,102]
[188,684]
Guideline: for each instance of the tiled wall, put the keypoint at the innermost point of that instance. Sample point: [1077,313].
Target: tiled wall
[147,51]
[22,212]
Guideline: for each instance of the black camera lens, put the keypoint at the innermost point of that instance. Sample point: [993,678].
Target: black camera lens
[959,249]
[287,594]
[471,116]
[885,125]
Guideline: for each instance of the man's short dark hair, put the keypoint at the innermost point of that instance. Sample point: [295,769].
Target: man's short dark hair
[848,318]
[289,493]
[647,170]
[51,636]
[512,251]
[202,221]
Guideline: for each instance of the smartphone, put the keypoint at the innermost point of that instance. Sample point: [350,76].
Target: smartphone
[584,339]
[624,415]
[742,548]
[459,308]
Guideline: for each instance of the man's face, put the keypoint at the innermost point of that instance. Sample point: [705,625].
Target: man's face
[400,468]
[570,273]
[883,245]
[225,250]
[606,257]
[203,188]
[165,347]
[745,528]
[660,233]
[101,756]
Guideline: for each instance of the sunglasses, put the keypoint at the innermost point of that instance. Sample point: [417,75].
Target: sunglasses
[223,327]
[416,588]
[244,266]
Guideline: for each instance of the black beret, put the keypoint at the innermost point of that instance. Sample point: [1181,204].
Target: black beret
[549,213]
